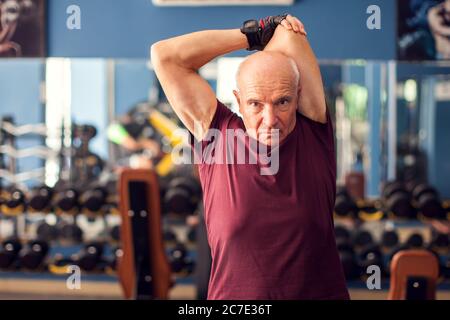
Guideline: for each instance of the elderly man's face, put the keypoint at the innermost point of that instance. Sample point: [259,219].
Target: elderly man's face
[268,96]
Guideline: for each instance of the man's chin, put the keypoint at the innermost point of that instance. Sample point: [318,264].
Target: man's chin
[269,140]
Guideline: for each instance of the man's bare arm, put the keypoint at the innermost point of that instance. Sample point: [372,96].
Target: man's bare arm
[295,45]
[176,62]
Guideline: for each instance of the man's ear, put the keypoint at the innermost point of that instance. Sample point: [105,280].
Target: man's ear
[238,98]
[299,92]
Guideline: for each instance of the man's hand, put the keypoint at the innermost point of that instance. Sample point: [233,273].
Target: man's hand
[259,33]
[294,24]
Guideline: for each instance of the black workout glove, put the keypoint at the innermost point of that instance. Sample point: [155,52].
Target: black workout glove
[260,32]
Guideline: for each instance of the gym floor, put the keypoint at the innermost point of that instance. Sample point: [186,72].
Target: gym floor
[11,289]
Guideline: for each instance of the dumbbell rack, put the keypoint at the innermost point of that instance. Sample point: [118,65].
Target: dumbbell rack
[27,231]
[409,233]
[28,222]
[9,133]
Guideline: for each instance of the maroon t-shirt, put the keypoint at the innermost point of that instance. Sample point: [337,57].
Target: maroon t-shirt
[272,236]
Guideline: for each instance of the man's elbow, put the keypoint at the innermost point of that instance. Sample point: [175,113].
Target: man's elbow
[159,53]
[283,39]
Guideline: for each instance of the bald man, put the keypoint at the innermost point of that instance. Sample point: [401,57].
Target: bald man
[271,235]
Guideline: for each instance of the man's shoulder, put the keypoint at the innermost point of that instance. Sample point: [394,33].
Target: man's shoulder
[225,118]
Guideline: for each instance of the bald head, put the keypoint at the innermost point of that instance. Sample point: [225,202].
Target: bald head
[267,65]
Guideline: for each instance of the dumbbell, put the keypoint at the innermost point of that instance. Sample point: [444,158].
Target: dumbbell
[397,200]
[440,243]
[361,238]
[163,183]
[117,254]
[415,241]
[389,239]
[13,202]
[341,234]
[389,244]
[114,233]
[189,267]
[47,232]
[178,259]
[348,262]
[440,247]
[66,201]
[60,260]
[33,255]
[369,255]
[182,195]
[94,199]
[59,264]
[90,257]
[9,251]
[70,232]
[169,235]
[192,234]
[346,253]
[428,201]
[370,210]
[40,199]
[344,205]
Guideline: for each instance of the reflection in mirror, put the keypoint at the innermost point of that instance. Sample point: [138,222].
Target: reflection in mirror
[98,92]
[22,116]
[423,101]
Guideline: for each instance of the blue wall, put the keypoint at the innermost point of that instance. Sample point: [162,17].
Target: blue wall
[89,99]
[441,165]
[133,81]
[20,83]
[126,28]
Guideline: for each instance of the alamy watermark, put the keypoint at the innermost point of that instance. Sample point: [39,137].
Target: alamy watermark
[73,21]
[374,20]
[73,282]
[373,282]
[234,146]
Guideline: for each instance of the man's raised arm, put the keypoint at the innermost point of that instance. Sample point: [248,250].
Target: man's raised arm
[176,62]
[295,45]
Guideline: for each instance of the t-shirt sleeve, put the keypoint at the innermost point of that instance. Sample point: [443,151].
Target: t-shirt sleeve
[219,122]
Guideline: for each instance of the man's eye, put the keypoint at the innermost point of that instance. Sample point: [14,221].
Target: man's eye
[284,102]
[254,104]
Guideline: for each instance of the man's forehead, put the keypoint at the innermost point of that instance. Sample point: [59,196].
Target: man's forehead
[262,68]
[267,84]
[267,94]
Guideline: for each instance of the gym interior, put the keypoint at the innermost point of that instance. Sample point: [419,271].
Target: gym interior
[96,202]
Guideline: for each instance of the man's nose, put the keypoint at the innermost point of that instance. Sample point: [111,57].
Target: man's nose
[270,117]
